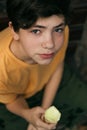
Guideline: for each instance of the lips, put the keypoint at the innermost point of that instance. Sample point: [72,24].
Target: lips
[47,56]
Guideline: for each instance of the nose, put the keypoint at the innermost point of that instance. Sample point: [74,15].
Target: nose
[48,42]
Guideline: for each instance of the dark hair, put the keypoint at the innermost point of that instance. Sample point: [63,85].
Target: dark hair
[24,13]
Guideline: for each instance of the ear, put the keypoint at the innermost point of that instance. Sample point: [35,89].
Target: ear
[14,34]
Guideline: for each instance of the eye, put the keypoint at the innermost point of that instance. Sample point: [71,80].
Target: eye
[36,31]
[59,30]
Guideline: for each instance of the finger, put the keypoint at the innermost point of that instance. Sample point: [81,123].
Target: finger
[31,127]
[47,125]
[54,128]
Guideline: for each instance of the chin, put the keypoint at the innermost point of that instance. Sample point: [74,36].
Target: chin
[45,62]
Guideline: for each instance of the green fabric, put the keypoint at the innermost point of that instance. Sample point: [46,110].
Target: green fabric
[70,100]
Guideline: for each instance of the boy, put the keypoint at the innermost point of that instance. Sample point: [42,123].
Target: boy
[32,51]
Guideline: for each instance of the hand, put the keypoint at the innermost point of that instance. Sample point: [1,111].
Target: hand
[33,116]
[31,127]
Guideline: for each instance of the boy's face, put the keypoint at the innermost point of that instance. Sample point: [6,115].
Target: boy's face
[41,42]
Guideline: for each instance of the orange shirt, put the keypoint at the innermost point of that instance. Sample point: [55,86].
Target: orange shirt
[19,78]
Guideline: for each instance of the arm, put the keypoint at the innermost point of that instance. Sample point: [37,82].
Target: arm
[52,86]
[21,108]
[31,115]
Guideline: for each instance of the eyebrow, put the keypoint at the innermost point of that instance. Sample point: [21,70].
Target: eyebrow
[40,26]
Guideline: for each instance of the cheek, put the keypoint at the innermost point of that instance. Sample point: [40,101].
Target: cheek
[28,42]
[60,42]
[32,45]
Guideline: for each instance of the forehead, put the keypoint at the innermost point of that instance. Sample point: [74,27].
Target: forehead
[50,21]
